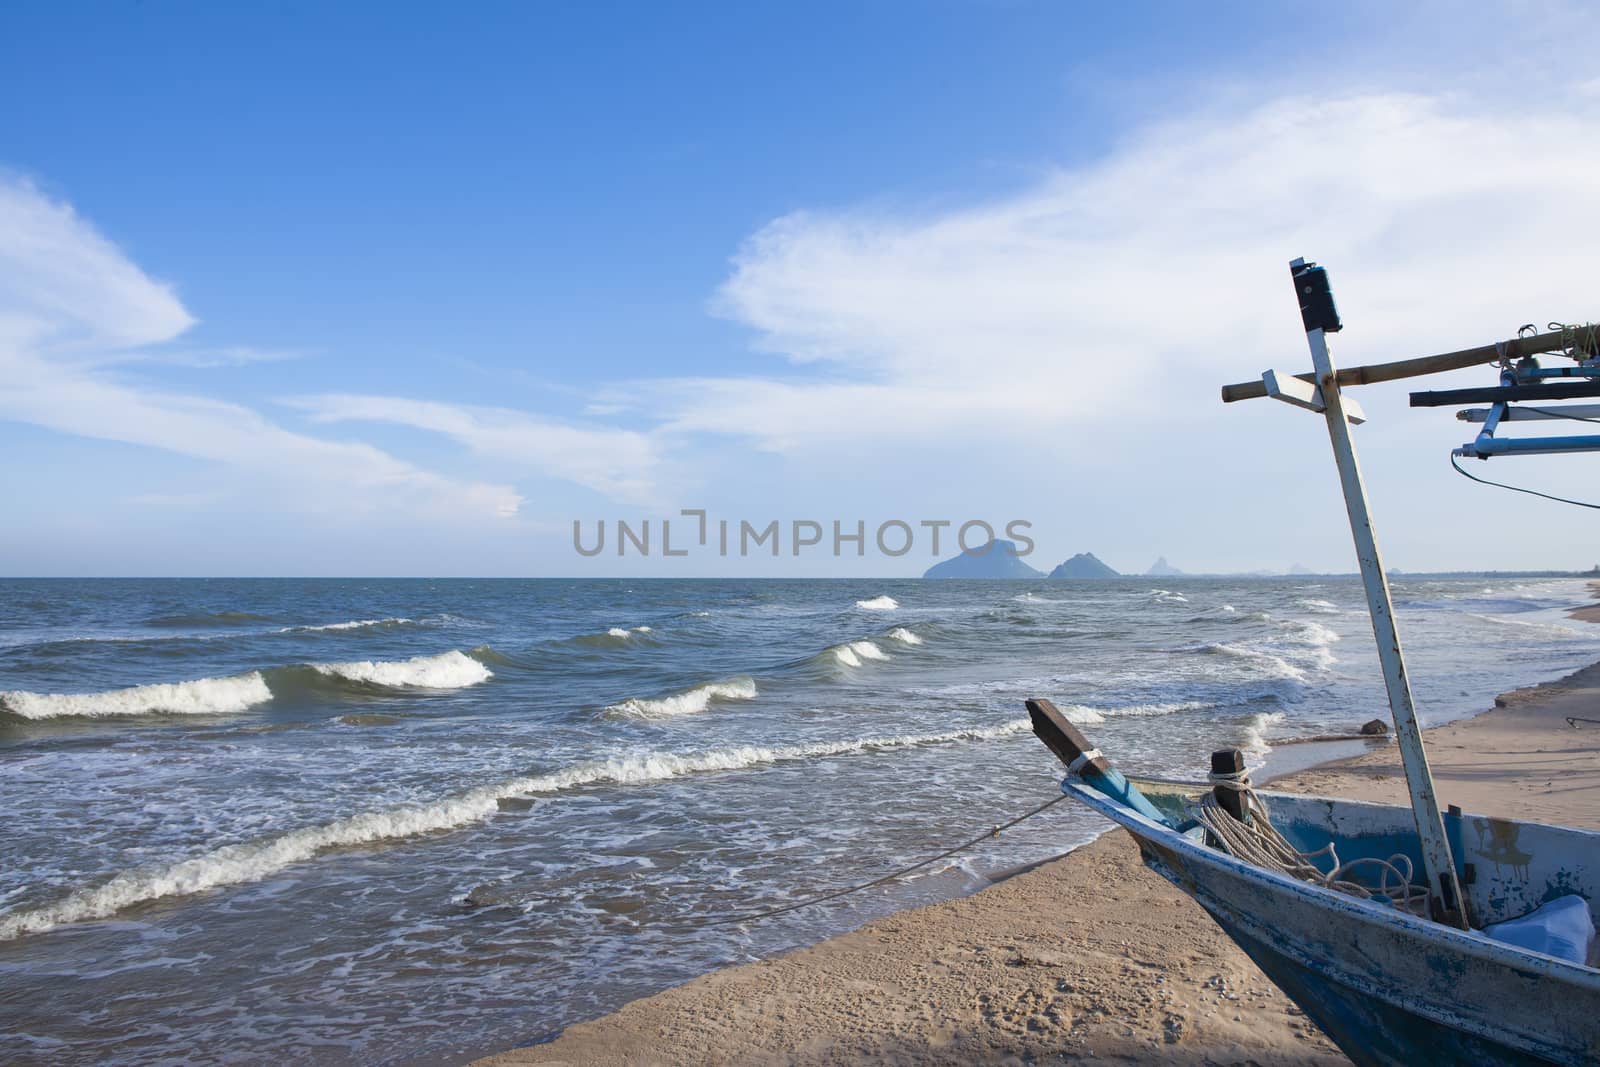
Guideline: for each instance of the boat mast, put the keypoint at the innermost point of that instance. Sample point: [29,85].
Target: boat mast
[1318,314]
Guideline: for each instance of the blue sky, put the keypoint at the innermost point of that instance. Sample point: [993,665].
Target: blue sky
[397,289]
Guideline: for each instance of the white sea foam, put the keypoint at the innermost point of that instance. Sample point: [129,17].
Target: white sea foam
[203,696]
[354,624]
[1084,715]
[1255,731]
[1167,596]
[1319,607]
[689,702]
[904,636]
[852,653]
[622,634]
[447,670]
[1310,643]
[878,603]
[253,861]
[1264,662]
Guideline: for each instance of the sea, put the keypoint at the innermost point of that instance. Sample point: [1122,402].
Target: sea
[417,821]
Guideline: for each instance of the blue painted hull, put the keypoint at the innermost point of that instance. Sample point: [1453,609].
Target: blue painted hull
[1387,988]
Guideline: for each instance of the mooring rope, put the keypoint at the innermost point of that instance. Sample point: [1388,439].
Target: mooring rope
[822,898]
[1255,840]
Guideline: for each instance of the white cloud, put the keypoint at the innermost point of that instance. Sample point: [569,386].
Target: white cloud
[71,303]
[618,463]
[1443,221]
[64,285]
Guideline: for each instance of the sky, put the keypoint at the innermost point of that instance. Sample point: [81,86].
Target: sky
[404,289]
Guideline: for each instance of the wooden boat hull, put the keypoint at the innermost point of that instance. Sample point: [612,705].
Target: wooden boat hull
[1386,987]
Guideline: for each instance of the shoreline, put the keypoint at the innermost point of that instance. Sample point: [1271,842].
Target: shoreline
[1086,955]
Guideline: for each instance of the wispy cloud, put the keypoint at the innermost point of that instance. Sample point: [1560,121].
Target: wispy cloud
[1445,218]
[206,358]
[64,286]
[71,304]
[621,464]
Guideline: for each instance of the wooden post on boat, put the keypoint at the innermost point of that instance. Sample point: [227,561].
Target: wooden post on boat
[1318,314]
[1084,760]
[1230,762]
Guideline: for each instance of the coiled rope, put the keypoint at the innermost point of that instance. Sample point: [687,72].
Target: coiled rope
[1256,841]
[822,898]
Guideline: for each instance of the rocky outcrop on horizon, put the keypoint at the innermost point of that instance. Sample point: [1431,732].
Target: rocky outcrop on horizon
[1162,569]
[1084,565]
[997,559]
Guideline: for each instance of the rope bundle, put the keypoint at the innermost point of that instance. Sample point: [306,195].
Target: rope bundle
[1255,840]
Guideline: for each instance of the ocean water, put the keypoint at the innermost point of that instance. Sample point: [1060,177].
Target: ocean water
[414,821]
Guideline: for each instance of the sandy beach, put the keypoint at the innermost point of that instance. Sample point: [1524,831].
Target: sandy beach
[1089,956]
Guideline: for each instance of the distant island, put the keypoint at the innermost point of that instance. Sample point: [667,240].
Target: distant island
[997,559]
[1084,565]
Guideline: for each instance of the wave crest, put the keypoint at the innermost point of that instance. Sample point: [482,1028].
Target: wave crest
[904,636]
[853,653]
[354,624]
[1254,740]
[878,603]
[447,670]
[688,702]
[202,696]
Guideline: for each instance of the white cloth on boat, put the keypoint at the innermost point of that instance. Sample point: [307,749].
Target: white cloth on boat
[1562,928]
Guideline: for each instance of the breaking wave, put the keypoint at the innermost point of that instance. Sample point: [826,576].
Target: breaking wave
[854,653]
[621,634]
[878,603]
[202,696]
[252,861]
[904,636]
[239,692]
[1264,662]
[354,624]
[688,702]
[1318,607]
[1254,739]
[1084,715]
[447,670]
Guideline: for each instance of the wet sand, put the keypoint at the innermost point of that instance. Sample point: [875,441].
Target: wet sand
[1590,612]
[1090,956]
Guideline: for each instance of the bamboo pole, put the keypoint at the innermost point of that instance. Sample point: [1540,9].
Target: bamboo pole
[1411,368]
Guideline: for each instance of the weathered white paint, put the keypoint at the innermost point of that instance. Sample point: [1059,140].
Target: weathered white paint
[1302,394]
[1388,987]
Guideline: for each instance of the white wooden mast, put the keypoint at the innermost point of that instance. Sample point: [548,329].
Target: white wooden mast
[1320,318]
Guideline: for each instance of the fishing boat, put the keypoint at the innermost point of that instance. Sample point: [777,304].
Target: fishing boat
[1409,935]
